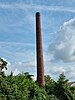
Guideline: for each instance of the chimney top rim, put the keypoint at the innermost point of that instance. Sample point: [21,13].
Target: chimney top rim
[37,13]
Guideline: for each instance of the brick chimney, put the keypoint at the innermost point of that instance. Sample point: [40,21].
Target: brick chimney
[39,52]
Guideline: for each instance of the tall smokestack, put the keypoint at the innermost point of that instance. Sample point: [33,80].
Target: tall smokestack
[40,62]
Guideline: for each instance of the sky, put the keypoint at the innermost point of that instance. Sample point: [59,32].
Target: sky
[18,36]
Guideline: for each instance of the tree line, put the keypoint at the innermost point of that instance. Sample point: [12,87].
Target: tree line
[23,87]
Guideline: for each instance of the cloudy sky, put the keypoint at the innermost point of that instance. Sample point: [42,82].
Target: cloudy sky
[17,36]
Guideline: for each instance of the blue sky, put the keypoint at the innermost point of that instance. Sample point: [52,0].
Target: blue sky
[18,31]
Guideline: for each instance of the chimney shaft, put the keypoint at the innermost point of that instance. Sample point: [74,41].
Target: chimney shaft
[40,62]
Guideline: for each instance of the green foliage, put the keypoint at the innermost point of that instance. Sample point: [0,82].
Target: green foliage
[49,85]
[22,87]
[62,90]
[52,97]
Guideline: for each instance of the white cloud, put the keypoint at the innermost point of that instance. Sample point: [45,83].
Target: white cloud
[63,48]
[63,51]
[21,58]
[16,72]
[39,7]
[22,52]
[54,69]
[19,67]
[51,68]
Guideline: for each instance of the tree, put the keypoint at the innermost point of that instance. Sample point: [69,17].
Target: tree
[3,64]
[62,90]
[49,85]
